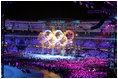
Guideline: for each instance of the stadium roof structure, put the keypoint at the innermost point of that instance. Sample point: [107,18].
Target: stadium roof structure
[33,10]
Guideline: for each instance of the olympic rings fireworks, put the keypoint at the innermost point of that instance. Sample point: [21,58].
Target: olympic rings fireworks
[57,37]
[72,35]
[61,34]
[50,35]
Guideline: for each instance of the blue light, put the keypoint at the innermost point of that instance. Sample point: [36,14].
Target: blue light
[76,21]
[59,21]
[47,56]
[42,21]
[53,21]
[62,21]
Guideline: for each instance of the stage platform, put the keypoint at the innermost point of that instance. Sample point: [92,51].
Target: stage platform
[46,56]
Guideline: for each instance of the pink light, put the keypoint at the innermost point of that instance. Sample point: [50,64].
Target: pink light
[72,35]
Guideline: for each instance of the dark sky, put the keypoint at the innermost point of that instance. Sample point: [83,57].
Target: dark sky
[27,10]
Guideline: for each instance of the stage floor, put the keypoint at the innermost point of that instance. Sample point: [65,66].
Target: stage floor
[46,56]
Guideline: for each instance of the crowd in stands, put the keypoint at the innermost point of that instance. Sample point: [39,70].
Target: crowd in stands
[92,63]
[32,42]
[87,68]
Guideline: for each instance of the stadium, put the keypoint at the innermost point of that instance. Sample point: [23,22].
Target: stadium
[59,39]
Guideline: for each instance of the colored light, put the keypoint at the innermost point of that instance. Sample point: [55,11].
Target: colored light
[50,35]
[42,21]
[76,21]
[72,35]
[53,40]
[61,34]
[64,42]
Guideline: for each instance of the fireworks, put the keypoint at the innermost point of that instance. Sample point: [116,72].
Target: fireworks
[55,38]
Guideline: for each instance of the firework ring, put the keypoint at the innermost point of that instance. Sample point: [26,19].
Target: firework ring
[50,35]
[56,39]
[61,35]
[72,35]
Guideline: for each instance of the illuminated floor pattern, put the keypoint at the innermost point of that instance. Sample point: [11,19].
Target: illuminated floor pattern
[47,56]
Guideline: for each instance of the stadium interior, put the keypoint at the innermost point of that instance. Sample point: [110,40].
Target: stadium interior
[59,39]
